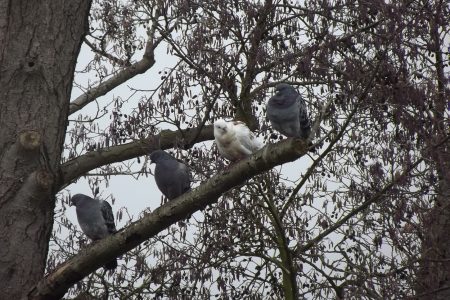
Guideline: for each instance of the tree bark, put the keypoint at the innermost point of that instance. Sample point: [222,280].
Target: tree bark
[39,45]
[433,280]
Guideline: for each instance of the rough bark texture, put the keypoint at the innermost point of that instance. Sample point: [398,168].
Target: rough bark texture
[434,273]
[433,280]
[39,45]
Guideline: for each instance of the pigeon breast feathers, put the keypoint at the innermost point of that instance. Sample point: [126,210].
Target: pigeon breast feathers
[287,112]
[172,177]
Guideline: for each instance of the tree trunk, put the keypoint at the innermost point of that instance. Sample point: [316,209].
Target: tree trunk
[39,45]
[433,281]
[434,273]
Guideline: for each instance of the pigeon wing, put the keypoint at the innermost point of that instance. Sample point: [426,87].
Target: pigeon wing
[185,177]
[246,138]
[172,178]
[182,184]
[108,216]
[305,126]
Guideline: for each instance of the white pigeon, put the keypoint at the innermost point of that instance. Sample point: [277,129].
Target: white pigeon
[234,140]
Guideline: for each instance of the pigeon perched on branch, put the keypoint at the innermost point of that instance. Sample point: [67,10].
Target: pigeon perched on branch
[96,220]
[172,177]
[287,112]
[234,140]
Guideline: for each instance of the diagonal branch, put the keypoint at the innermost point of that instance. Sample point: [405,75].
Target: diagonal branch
[76,167]
[125,74]
[56,284]
[102,52]
[147,61]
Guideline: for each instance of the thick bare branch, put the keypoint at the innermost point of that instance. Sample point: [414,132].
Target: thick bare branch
[125,74]
[57,283]
[74,168]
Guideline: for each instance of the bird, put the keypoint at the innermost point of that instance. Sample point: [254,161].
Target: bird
[234,140]
[96,220]
[172,176]
[286,111]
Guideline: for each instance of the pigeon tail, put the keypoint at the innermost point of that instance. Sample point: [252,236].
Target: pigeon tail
[111,265]
[305,130]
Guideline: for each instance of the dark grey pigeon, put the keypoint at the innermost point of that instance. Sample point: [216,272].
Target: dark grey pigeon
[172,177]
[96,220]
[287,112]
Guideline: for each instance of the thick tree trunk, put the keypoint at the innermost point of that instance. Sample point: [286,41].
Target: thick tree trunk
[434,273]
[39,45]
[433,281]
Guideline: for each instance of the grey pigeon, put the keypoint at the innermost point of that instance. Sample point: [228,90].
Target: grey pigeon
[287,112]
[172,177]
[96,220]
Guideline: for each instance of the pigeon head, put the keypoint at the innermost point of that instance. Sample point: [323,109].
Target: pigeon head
[284,88]
[285,95]
[159,155]
[78,199]
[220,127]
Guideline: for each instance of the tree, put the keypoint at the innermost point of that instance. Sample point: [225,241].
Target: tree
[39,45]
[365,216]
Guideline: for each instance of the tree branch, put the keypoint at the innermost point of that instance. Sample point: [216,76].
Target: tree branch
[290,287]
[102,52]
[375,198]
[56,284]
[125,74]
[76,167]
[243,109]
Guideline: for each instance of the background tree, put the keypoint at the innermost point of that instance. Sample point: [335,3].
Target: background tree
[363,216]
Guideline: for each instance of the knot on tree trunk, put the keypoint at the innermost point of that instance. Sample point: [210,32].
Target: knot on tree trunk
[30,140]
[44,179]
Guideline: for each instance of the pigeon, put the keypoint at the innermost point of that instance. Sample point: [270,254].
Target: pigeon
[96,220]
[234,140]
[287,112]
[172,177]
